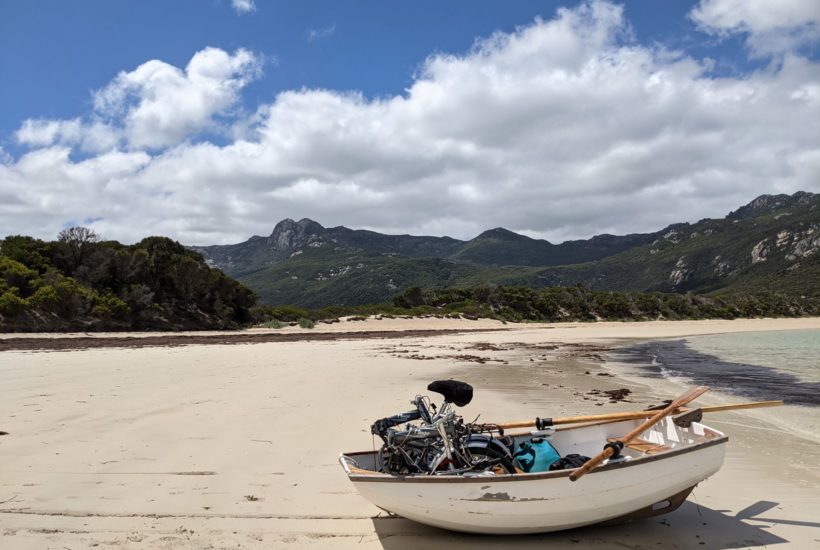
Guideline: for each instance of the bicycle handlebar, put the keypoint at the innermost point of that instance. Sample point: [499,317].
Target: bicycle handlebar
[381,426]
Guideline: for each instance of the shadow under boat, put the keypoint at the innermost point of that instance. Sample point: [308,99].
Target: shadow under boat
[691,526]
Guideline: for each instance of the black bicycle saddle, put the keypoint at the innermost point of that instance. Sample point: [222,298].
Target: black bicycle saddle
[458,393]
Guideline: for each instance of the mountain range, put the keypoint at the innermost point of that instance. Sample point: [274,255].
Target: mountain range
[769,244]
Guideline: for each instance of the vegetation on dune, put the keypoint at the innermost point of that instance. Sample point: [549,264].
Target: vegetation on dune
[580,303]
[79,282]
[557,304]
[306,323]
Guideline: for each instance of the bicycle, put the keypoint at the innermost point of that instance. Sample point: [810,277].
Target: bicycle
[442,443]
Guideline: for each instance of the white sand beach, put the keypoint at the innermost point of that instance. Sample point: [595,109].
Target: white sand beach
[236,445]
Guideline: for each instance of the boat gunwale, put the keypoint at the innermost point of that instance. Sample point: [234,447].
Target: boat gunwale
[380,477]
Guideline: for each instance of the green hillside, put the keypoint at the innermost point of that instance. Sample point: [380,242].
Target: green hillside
[503,247]
[319,277]
[772,247]
[770,244]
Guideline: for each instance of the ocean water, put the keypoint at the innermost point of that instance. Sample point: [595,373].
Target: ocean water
[795,352]
[756,365]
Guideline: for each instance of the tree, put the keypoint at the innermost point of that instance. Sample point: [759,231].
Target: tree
[78,240]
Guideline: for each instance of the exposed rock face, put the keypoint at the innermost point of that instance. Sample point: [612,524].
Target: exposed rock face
[805,244]
[680,274]
[289,234]
[803,197]
[768,203]
[722,267]
[760,251]
[672,236]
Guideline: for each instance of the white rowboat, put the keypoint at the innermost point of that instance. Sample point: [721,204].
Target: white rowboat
[653,476]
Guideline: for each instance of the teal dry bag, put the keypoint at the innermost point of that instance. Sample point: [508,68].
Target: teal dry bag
[535,455]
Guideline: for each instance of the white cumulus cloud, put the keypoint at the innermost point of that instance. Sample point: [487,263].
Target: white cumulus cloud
[243,6]
[154,106]
[90,137]
[564,128]
[771,26]
[161,105]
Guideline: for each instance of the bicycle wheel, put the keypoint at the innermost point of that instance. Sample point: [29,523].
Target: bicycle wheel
[487,458]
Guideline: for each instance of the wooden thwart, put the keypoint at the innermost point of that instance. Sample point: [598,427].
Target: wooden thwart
[644,446]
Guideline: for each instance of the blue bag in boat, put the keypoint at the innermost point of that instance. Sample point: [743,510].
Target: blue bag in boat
[535,455]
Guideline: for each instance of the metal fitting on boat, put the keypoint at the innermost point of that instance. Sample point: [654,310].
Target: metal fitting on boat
[543,423]
[616,447]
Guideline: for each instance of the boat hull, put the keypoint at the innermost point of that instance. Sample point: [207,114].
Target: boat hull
[543,502]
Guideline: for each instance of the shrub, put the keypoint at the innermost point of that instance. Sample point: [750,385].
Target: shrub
[45,297]
[289,313]
[15,274]
[109,306]
[304,322]
[10,303]
[273,323]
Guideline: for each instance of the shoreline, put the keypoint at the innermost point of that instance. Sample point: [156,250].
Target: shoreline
[84,342]
[374,327]
[155,447]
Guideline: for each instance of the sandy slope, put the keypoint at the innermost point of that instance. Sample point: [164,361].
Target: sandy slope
[227,445]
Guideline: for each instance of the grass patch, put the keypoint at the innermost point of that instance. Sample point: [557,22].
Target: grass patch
[304,322]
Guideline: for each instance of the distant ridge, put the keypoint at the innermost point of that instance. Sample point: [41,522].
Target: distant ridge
[771,243]
[498,246]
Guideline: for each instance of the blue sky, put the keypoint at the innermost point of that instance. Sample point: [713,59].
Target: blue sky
[389,68]
[54,53]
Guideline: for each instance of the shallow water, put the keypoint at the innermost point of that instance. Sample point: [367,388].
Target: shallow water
[759,365]
[795,352]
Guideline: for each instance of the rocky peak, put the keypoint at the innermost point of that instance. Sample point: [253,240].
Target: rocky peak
[804,198]
[289,234]
[769,203]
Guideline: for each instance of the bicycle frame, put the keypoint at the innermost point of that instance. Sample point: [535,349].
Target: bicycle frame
[439,445]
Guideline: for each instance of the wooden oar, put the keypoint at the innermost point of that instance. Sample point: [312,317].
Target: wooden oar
[739,406]
[630,415]
[615,446]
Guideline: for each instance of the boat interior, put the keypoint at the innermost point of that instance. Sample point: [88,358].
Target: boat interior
[585,440]
[666,435]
